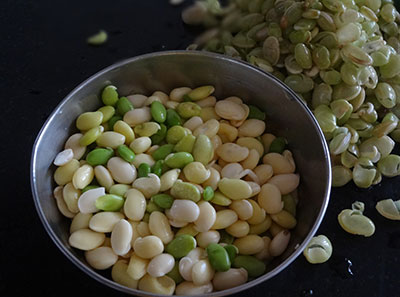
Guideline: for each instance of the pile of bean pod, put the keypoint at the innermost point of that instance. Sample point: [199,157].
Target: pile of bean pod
[340,56]
[177,193]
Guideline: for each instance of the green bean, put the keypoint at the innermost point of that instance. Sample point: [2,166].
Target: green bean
[89,187]
[158,112]
[178,160]
[109,202]
[225,237]
[90,136]
[159,136]
[99,156]
[113,120]
[158,168]
[109,95]
[144,170]
[173,118]
[203,149]
[163,200]
[181,245]
[119,189]
[208,193]
[303,56]
[232,251]
[186,144]
[162,152]
[175,134]
[175,275]
[126,153]
[278,145]
[107,111]
[256,113]
[123,105]
[218,257]
[98,38]
[152,206]
[254,267]
[188,109]
[184,190]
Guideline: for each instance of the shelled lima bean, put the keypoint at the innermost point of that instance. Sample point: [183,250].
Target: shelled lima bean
[177,193]
[341,57]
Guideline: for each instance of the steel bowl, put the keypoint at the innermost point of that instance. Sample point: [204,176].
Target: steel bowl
[287,116]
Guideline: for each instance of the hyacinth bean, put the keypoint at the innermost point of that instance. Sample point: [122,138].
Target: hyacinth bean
[353,221]
[318,250]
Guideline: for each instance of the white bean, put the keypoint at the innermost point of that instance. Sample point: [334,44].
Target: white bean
[135,205]
[205,238]
[188,289]
[103,177]
[140,145]
[80,221]
[202,272]
[279,243]
[168,179]
[149,185]
[184,210]
[101,258]
[121,236]
[87,201]
[64,157]
[159,226]
[229,110]
[105,221]
[148,247]
[137,100]
[193,123]
[206,218]
[228,279]
[86,239]
[160,265]
[119,275]
[73,143]
[137,116]
[143,158]
[121,171]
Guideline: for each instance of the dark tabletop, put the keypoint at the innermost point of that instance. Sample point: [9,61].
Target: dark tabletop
[43,56]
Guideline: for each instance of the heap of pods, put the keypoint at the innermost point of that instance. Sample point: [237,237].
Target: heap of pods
[177,193]
[342,57]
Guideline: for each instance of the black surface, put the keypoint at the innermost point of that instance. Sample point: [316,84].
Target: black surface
[44,55]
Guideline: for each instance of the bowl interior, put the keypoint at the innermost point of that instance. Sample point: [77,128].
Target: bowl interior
[286,116]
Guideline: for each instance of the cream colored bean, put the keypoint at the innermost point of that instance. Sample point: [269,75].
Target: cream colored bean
[135,205]
[243,208]
[171,104]
[188,229]
[270,198]
[209,128]
[121,171]
[137,100]
[261,227]
[119,275]
[140,145]
[252,160]
[275,229]
[251,143]
[178,93]
[168,179]
[255,188]
[148,247]
[227,132]
[279,243]
[151,99]
[234,189]
[206,218]
[252,128]
[267,139]
[186,263]
[83,176]
[264,172]
[105,221]
[264,255]
[202,272]
[149,185]
[279,163]
[110,139]
[121,236]
[73,144]
[285,219]
[249,244]
[137,267]
[224,219]
[103,177]
[184,210]
[161,96]
[286,183]
[231,152]
[101,258]
[143,158]
[196,172]
[228,279]
[160,265]
[80,221]
[235,99]
[159,226]
[216,142]
[86,239]
[232,170]
[209,101]
[61,205]
[258,213]
[188,289]
[63,157]
[137,116]
[193,123]
[208,113]
[238,123]
[163,285]
[87,201]
[135,232]
[143,229]
[205,238]
[230,110]
[213,180]
[71,195]
[65,173]
[238,229]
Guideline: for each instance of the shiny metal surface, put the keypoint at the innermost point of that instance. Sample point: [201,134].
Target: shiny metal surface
[286,116]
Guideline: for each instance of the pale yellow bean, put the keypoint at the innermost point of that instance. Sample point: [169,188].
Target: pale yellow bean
[235,189]
[163,285]
[65,173]
[285,219]
[264,172]
[230,110]
[279,243]
[209,128]
[178,93]
[137,100]
[137,267]
[121,171]
[209,101]
[101,258]
[252,160]
[73,144]
[119,275]
[140,145]
[208,113]
[238,229]
[143,158]
[275,229]
[159,226]
[238,123]
[148,247]
[270,198]
[103,177]
[224,219]
[286,183]
[105,221]
[137,116]
[71,195]
[86,239]
[243,208]
[188,229]
[231,152]
[63,157]
[135,205]
[232,170]
[160,265]
[188,289]
[135,232]
[123,128]
[110,139]
[227,132]
[205,238]
[143,229]
[83,176]
[255,188]
[264,255]
[193,123]
[228,279]
[258,213]
[267,139]
[196,172]
[168,179]
[80,221]
[61,205]
[213,180]
[121,236]
[206,218]
[249,244]
[149,185]
[279,163]
[251,143]
[261,227]
[216,142]
[252,128]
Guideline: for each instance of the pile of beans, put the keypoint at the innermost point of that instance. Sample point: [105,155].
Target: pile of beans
[178,193]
